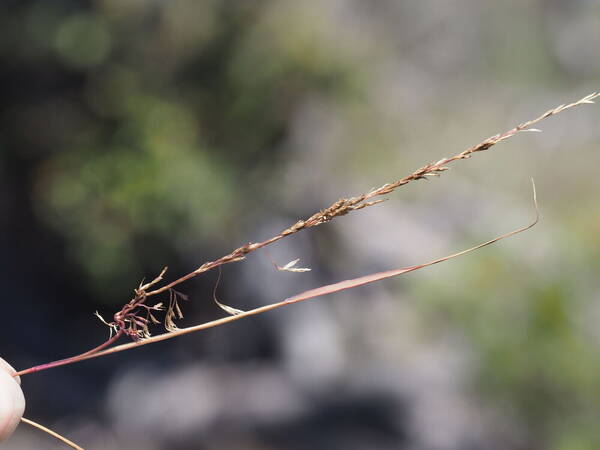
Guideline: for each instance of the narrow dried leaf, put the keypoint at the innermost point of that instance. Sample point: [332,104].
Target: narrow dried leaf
[178,311]
[289,267]
[169,323]
[173,310]
[229,309]
[112,326]
[159,278]
[181,295]
[226,308]
[154,320]
[97,314]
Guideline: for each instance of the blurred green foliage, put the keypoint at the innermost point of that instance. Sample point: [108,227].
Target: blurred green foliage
[538,360]
[168,123]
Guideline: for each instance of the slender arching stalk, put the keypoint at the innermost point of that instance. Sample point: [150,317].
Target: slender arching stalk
[51,433]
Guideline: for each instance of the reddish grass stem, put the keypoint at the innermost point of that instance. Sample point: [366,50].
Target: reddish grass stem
[72,359]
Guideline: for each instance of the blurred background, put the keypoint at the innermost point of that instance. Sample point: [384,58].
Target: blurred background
[140,134]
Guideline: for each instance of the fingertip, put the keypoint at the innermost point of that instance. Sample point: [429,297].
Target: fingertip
[6,367]
[12,404]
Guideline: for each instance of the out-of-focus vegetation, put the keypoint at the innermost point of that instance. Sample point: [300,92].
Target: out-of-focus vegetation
[138,134]
[165,113]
